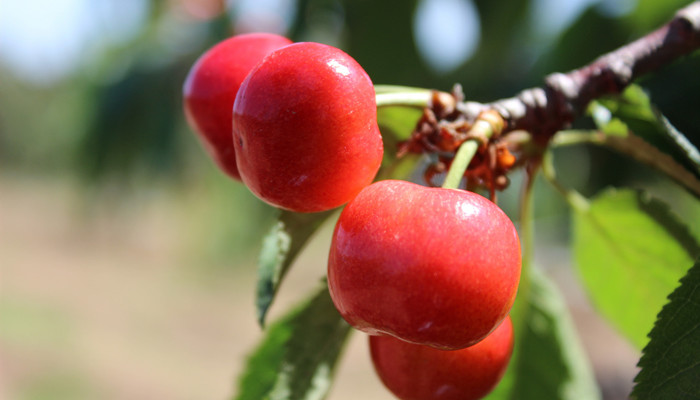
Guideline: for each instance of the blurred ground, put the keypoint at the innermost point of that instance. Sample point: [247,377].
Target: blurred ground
[109,307]
[106,308]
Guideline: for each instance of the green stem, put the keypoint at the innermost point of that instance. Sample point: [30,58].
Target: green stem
[404,99]
[397,88]
[527,229]
[573,137]
[690,151]
[636,148]
[575,199]
[460,163]
[527,239]
[483,128]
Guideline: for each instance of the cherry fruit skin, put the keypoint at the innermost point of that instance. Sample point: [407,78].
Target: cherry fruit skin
[416,372]
[305,128]
[432,266]
[211,86]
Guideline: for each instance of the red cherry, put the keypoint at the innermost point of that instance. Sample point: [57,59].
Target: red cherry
[415,372]
[431,266]
[305,128]
[211,87]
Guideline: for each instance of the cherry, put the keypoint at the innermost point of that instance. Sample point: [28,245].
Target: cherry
[211,87]
[415,372]
[305,128]
[431,266]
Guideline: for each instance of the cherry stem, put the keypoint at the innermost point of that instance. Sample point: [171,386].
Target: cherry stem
[417,99]
[488,124]
[527,238]
[636,148]
[460,163]
[575,199]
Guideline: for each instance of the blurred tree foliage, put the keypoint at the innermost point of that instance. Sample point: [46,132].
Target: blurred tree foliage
[133,123]
[109,129]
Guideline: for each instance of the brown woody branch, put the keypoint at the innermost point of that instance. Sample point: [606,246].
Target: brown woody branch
[543,111]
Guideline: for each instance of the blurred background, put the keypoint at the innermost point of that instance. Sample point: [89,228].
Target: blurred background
[127,260]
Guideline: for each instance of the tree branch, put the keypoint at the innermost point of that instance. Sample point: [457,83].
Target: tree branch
[543,111]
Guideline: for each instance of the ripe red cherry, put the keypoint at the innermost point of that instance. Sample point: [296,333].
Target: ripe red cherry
[305,128]
[211,87]
[432,266]
[415,372]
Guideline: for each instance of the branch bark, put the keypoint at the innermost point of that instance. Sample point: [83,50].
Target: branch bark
[564,97]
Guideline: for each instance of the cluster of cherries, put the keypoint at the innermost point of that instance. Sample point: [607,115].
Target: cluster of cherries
[429,273]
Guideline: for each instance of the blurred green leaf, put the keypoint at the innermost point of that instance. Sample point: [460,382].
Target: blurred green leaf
[671,361]
[280,247]
[631,250]
[548,362]
[398,122]
[379,35]
[134,126]
[297,358]
[650,14]
[604,121]
[633,103]
[615,127]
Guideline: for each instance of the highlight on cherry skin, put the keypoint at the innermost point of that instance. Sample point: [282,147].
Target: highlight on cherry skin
[416,372]
[431,266]
[305,128]
[211,86]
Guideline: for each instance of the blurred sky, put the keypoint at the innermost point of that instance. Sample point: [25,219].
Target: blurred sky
[45,40]
[42,41]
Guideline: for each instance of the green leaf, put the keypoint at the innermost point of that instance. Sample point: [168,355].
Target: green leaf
[605,122]
[670,365]
[650,14]
[297,358]
[280,247]
[633,111]
[633,105]
[631,250]
[398,122]
[549,361]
